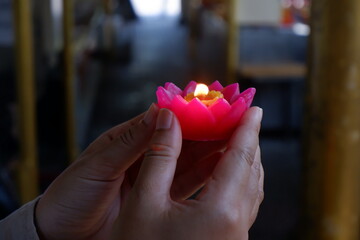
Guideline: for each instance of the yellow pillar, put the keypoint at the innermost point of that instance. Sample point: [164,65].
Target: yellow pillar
[333,122]
[27,172]
[232,42]
[108,6]
[69,76]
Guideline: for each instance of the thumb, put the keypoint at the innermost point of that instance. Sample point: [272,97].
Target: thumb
[158,167]
[109,162]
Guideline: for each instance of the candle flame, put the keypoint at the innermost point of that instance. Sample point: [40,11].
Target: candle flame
[201,90]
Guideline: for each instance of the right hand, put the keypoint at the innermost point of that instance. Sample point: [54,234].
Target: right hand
[225,209]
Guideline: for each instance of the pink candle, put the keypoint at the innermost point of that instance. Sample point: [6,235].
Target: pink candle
[206,113]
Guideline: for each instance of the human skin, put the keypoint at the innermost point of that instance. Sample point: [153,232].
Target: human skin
[96,197]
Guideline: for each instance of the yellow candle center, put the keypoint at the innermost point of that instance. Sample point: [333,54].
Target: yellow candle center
[204,95]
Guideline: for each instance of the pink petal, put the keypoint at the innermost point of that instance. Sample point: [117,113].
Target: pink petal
[219,109]
[179,102]
[237,109]
[167,85]
[231,92]
[171,87]
[229,123]
[196,121]
[216,86]
[189,88]
[178,106]
[248,95]
[164,97]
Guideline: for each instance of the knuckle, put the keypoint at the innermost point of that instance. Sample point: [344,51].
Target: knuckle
[159,150]
[160,155]
[247,155]
[143,123]
[128,137]
[257,167]
[229,217]
[261,195]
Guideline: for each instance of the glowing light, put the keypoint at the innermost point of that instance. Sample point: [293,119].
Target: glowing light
[201,90]
[148,8]
[301,29]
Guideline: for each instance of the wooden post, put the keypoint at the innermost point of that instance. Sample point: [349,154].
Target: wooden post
[28,167]
[333,122]
[69,76]
[108,6]
[232,42]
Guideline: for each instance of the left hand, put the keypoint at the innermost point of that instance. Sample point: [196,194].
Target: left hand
[85,200]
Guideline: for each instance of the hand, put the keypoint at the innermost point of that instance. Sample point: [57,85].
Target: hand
[194,167]
[225,209]
[84,201]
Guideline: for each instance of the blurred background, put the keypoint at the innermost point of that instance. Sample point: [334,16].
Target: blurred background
[70,70]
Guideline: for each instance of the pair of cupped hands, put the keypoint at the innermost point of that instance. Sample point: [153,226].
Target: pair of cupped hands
[134,182]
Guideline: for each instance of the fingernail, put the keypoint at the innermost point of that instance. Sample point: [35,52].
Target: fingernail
[164,119]
[259,114]
[150,114]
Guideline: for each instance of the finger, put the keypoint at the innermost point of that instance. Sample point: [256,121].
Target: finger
[125,189]
[199,148]
[231,175]
[259,199]
[133,170]
[158,167]
[112,160]
[253,183]
[109,136]
[195,151]
[255,174]
[194,178]
[191,154]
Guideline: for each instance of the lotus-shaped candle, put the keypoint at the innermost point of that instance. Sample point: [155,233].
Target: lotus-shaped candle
[206,113]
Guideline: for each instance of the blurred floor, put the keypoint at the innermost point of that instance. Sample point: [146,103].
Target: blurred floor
[160,55]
